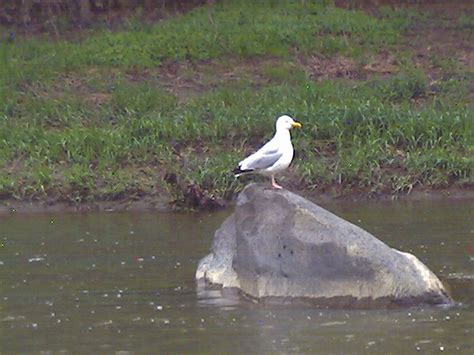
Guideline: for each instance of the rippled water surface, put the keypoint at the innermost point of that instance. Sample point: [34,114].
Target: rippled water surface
[88,283]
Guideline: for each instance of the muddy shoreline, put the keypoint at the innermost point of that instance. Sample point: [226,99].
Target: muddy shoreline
[163,203]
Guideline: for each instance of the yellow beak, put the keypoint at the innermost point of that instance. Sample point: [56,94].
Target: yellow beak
[296,125]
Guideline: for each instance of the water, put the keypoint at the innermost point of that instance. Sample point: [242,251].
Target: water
[124,282]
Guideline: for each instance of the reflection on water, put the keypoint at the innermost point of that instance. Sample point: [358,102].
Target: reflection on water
[125,282]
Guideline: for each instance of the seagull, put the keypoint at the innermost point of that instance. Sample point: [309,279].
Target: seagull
[275,156]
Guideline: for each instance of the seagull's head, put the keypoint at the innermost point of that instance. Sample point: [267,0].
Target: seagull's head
[286,122]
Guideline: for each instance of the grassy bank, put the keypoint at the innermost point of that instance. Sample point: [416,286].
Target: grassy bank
[171,107]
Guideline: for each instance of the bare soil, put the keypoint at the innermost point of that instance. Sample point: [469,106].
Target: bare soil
[164,203]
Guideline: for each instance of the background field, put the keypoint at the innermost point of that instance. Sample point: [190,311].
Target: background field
[165,102]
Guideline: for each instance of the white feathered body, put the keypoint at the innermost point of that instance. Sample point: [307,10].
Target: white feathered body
[273,157]
[279,144]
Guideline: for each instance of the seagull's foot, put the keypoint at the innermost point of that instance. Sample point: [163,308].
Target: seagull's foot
[274,184]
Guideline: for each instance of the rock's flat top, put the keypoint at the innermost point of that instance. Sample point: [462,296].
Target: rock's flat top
[279,246]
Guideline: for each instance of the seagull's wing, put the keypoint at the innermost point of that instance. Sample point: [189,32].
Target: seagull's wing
[261,160]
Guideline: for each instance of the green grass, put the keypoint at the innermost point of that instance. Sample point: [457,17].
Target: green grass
[239,28]
[367,134]
[96,119]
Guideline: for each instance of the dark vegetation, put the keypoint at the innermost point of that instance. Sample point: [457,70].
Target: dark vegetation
[98,108]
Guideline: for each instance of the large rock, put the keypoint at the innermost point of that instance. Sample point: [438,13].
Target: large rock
[278,246]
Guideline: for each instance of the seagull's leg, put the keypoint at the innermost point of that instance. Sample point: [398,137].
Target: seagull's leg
[274,184]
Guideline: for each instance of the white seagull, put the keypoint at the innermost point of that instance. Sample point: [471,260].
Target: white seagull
[275,156]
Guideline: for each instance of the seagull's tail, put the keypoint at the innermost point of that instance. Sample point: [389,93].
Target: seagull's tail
[238,171]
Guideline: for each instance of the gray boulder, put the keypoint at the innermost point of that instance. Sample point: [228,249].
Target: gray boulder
[280,247]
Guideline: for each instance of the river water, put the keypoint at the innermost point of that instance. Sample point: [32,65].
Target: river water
[124,283]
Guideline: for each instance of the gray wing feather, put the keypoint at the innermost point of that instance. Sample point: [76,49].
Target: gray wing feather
[272,151]
[265,161]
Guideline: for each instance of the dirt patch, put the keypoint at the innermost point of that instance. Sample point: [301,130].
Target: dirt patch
[441,45]
[98,99]
[445,43]
[149,203]
[185,79]
[190,79]
[382,63]
[75,85]
[321,68]
[163,203]
[63,18]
